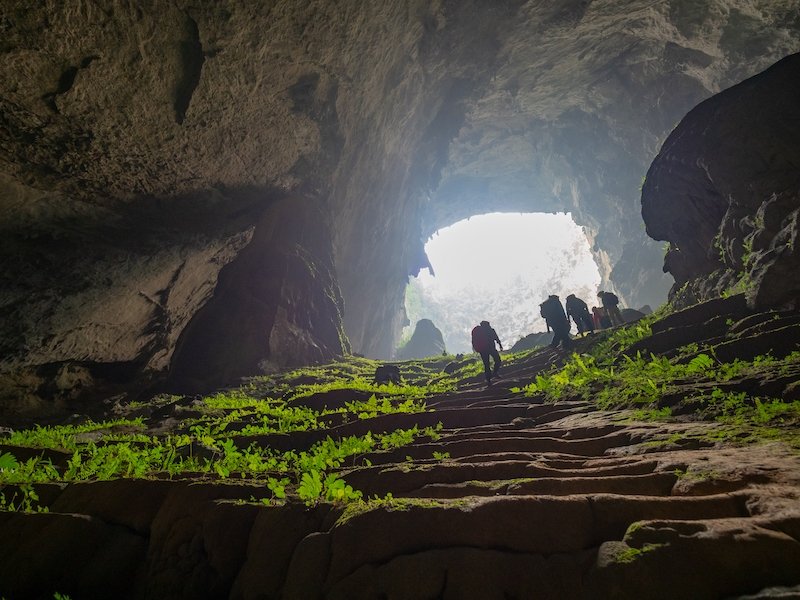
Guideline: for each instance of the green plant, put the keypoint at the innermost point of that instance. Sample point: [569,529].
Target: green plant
[651,414]
[719,247]
[23,499]
[374,407]
[701,363]
[67,437]
[8,462]
[629,555]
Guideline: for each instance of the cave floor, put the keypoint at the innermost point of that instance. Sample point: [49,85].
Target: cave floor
[487,492]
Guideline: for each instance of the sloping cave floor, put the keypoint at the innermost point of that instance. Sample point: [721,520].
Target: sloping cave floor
[513,496]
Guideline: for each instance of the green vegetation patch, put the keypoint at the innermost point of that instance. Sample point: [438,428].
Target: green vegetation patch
[630,555]
[390,503]
[210,445]
[694,384]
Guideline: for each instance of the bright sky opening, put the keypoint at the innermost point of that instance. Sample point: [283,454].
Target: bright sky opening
[499,267]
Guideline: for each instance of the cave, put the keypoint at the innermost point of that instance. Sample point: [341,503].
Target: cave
[197,195]
[499,267]
[150,155]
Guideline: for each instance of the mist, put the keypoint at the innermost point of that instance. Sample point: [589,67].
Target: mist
[499,267]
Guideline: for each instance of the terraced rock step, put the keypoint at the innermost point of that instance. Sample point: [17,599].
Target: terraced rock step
[654,484]
[505,497]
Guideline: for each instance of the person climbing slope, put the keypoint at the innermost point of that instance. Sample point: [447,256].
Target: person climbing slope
[556,319]
[610,303]
[483,342]
[600,319]
[577,309]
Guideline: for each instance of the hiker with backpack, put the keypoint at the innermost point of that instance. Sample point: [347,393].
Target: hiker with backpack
[610,303]
[556,319]
[483,339]
[577,309]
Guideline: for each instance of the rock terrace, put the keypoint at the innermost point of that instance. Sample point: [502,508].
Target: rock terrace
[510,496]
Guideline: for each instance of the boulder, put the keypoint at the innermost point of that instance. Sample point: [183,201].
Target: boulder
[387,374]
[532,340]
[426,341]
[723,191]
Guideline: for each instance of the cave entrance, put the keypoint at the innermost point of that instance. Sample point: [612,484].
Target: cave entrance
[499,267]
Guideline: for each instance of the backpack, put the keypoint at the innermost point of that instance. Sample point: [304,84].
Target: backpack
[548,309]
[480,341]
[611,299]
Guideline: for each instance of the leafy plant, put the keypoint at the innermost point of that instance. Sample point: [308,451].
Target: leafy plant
[8,462]
[629,555]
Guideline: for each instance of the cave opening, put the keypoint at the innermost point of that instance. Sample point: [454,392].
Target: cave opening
[499,267]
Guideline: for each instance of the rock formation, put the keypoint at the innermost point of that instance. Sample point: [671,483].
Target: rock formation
[150,154]
[724,191]
[532,340]
[426,341]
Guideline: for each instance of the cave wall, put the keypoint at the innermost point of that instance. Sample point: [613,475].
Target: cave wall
[577,100]
[724,191]
[277,304]
[582,99]
[93,296]
[145,147]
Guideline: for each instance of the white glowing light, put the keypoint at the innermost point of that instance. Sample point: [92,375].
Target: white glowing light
[499,267]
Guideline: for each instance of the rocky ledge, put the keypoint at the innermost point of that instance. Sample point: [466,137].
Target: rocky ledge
[724,191]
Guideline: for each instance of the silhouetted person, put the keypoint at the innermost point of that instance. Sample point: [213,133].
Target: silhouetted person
[483,340]
[577,309]
[600,319]
[610,302]
[556,319]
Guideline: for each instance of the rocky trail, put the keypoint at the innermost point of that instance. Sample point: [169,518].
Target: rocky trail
[513,496]
[560,501]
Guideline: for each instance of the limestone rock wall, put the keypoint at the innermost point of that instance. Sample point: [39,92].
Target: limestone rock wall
[724,191]
[583,95]
[276,305]
[426,341]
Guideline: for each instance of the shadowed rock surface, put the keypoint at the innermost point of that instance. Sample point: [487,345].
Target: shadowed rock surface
[724,192]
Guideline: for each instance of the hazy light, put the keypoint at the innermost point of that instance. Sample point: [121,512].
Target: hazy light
[499,267]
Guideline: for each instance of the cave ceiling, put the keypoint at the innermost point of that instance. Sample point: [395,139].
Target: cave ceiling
[143,144]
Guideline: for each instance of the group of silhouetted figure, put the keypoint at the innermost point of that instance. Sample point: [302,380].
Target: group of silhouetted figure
[557,317]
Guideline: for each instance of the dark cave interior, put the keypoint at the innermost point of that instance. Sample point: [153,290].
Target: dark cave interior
[197,195]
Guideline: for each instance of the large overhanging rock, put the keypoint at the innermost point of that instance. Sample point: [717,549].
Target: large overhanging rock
[725,192]
[147,150]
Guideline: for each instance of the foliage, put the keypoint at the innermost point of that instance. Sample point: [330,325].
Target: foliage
[629,555]
[8,462]
[610,378]
[374,407]
[66,437]
[390,503]
[213,443]
[312,471]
